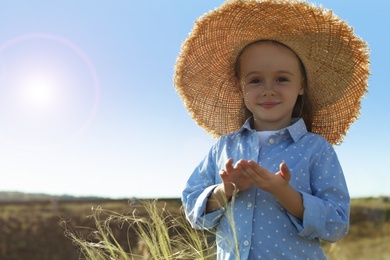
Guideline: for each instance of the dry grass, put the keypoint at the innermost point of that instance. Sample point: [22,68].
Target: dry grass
[160,235]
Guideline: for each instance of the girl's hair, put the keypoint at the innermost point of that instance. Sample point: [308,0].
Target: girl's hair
[302,107]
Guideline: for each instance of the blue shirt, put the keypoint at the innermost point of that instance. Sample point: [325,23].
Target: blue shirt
[254,225]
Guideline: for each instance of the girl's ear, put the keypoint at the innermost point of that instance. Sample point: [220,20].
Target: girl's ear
[301,91]
[238,86]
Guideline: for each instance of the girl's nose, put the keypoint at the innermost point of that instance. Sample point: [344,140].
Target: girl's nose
[268,89]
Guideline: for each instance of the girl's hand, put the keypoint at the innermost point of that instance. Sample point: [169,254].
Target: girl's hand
[233,178]
[277,184]
[264,179]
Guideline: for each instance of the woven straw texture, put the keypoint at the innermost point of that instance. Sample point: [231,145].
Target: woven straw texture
[335,59]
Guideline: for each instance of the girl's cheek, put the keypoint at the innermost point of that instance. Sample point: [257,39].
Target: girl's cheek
[253,91]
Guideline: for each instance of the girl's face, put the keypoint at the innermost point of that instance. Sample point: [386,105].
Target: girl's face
[270,80]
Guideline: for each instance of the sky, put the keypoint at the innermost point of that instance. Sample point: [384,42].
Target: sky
[88,106]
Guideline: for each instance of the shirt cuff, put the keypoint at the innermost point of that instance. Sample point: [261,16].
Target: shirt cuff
[314,217]
[209,220]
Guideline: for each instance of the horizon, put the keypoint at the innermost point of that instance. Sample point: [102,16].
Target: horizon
[93,197]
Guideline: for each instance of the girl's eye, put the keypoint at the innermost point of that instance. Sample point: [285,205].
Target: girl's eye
[282,79]
[254,81]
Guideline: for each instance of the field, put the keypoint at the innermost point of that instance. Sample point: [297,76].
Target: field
[369,235]
[47,229]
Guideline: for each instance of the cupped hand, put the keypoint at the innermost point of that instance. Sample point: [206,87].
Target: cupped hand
[233,178]
[263,178]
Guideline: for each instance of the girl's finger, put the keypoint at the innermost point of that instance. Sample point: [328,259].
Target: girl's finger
[285,171]
[229,165]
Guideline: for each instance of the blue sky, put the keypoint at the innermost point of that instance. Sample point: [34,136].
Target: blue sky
[88,107]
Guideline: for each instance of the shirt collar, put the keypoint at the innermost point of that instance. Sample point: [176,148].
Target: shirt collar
[296,130]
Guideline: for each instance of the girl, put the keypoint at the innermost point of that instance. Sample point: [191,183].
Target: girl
[278,82]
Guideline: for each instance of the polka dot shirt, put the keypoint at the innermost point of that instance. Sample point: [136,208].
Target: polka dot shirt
[254,225]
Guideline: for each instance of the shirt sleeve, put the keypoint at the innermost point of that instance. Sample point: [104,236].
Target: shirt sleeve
[200,185]
[327,208]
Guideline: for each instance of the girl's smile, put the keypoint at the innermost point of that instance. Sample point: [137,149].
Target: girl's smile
[269,105]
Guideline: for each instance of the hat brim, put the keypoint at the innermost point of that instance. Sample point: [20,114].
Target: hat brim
[335,59]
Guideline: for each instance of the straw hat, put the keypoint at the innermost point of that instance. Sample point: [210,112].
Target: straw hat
[336,63]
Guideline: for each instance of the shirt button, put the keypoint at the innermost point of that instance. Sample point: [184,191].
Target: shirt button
[246,243]
[271,141]
[281,132]
[249,204]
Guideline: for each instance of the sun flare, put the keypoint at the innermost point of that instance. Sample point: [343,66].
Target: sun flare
[39,92]
[49,91]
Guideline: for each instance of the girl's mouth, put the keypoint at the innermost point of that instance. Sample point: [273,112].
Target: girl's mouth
[269,105]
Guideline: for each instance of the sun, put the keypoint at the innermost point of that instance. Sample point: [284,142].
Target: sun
[39,91]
